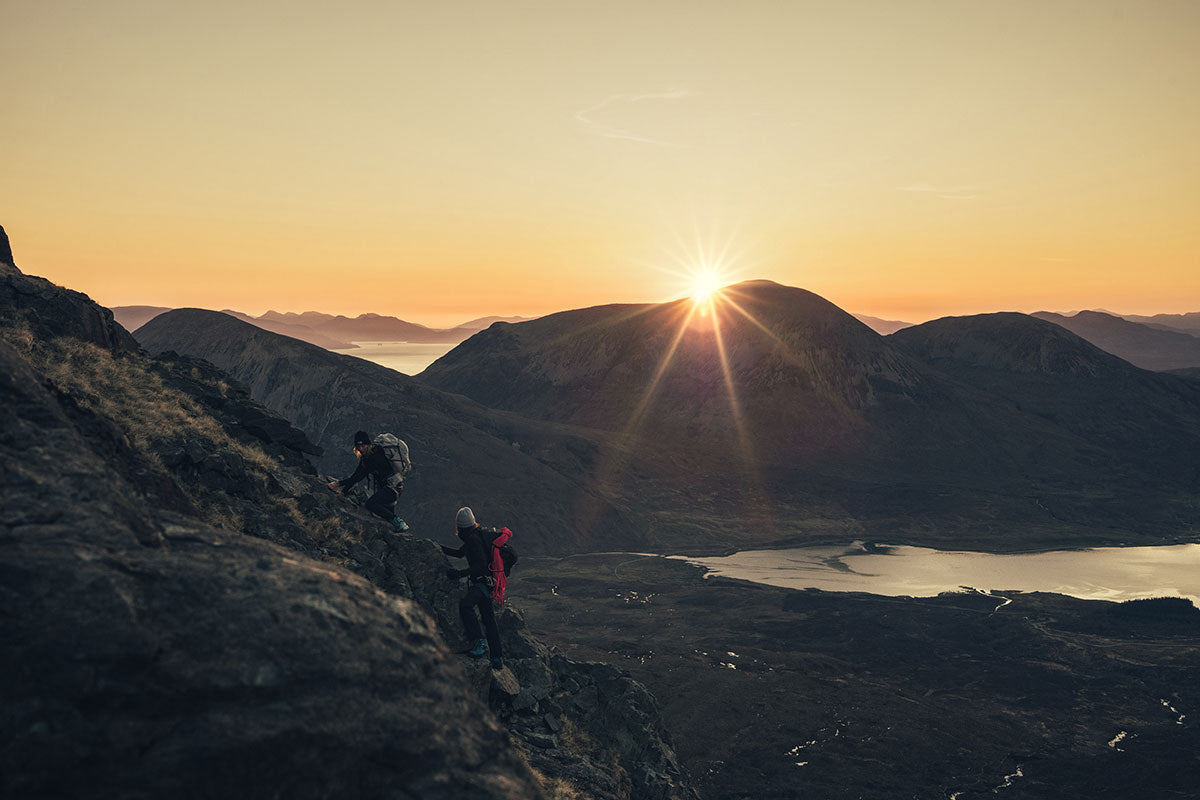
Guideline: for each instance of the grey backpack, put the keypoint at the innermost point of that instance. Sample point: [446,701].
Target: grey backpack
[397,452]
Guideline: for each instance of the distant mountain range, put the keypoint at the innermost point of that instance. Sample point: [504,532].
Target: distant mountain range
[882,326]
[1188,323]
[333,332]
[1156,348]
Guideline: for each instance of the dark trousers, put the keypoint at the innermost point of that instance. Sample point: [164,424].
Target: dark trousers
[480,595]
[383,502]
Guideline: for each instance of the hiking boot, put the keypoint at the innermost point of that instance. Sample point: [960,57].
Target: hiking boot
[497,664]
[479,650]
[398,525]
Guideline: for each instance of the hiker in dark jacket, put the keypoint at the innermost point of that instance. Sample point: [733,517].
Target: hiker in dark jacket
[482,576]
[374,463]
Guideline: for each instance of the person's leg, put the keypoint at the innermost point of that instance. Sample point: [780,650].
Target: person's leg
[489,624]
[398,524]
[383,503]
[466,610]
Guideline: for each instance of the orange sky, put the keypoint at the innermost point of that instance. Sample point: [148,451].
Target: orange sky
[907,160]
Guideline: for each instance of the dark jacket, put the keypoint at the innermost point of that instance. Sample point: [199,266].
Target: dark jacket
[476,548]
[376,464]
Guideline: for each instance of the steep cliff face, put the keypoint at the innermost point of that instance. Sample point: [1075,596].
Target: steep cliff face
[188,610]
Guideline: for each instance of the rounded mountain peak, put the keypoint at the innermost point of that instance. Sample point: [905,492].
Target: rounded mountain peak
[1007,341]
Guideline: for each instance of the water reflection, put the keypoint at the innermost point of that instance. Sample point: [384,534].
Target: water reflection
[407,357]
[1107,573]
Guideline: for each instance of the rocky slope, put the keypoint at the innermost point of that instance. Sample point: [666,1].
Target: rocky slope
[189,611]
[148,653]
[532,477]
[1139,344]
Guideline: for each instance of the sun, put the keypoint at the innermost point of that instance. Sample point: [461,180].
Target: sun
[705,284]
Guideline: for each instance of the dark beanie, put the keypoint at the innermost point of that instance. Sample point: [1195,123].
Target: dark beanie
[360,437]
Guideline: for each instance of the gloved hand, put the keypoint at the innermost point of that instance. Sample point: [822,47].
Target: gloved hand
[452,573]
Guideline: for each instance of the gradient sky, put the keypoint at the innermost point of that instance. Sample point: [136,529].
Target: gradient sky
[903,159]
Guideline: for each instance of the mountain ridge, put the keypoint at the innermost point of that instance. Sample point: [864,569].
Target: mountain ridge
[1141,345]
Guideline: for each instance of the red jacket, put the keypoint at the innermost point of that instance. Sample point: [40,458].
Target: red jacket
[500,580]
[481,565]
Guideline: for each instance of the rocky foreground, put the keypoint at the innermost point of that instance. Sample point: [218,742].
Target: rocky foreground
[187,611]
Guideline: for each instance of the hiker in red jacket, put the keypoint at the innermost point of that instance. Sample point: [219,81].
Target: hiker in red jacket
[486,582]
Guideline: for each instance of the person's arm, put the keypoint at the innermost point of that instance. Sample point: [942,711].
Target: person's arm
[469,551]
[359,473]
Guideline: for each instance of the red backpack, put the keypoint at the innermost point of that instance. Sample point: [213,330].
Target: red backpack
[504,557]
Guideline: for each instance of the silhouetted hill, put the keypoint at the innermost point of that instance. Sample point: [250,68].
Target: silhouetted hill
[133,317]
[1188,323]
[304,333]
[1189,372]
[1140,345]
[527,475]
[486,322]
[1007,342]
[807,384]
[882,326]
[380,328]
[1147,424]
[307,318]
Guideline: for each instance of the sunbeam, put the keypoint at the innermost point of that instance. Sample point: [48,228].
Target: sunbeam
[618,453]
[789,353]
[756,495]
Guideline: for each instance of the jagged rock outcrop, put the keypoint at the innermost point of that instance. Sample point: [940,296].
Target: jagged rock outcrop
[6,254]
[48,311]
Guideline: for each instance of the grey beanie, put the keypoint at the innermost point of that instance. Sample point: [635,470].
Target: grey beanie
[466,518]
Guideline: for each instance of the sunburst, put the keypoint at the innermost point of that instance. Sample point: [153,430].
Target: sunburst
[706,272]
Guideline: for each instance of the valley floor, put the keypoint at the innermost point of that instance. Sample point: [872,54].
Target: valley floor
[773,693]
